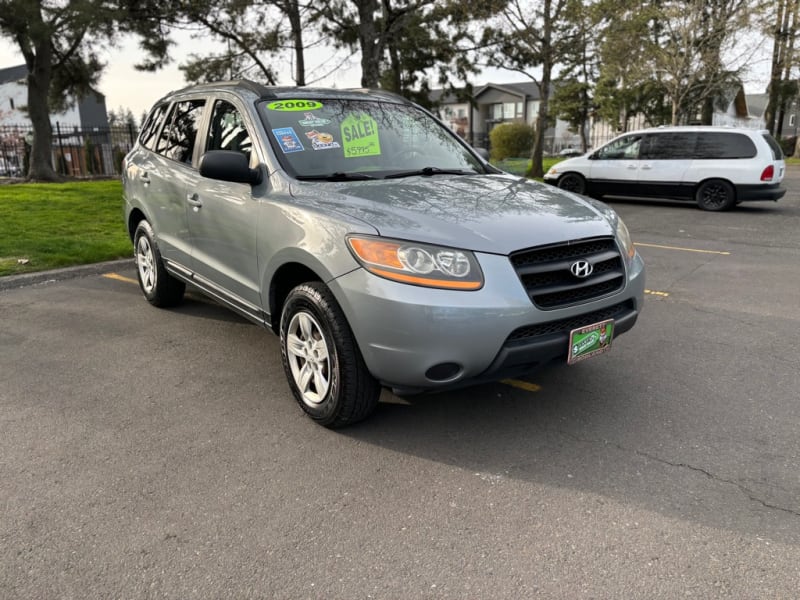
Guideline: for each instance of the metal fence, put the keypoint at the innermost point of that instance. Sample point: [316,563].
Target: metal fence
[76,151]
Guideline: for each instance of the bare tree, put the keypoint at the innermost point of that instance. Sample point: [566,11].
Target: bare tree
[524,35]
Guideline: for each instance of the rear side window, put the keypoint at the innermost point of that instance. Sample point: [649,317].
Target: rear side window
[669,146]
[777,151]
[151,127]
[178,137]
[720,144]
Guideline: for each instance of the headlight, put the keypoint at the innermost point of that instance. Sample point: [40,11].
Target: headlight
[418,264]
[624,238]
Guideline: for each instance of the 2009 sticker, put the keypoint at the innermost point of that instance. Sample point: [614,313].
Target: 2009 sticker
[294,105]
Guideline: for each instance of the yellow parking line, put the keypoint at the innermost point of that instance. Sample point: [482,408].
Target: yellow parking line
[655,293]
[523,385]
[120,278]
[684,249]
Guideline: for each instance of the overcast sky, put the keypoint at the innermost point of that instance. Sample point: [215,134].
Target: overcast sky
[126,87]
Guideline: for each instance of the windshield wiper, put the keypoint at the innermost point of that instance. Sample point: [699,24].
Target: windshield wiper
[427,172]
[337,176]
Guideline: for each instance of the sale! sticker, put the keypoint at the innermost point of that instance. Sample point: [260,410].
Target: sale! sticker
[360,136]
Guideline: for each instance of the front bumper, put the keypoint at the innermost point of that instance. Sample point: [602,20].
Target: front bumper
[406,333]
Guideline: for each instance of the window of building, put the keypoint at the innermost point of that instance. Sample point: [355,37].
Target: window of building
[792,119]
[497,112]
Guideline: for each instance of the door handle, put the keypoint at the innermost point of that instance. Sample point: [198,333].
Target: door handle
[632,167]
[194,200]
[646,167]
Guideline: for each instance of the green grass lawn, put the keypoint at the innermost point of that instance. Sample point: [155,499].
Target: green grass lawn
[51,225]
[518,166]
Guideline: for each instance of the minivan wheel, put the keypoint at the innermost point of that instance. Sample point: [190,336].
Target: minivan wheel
[159,287]
[715,194]
[323,364]
[572,182]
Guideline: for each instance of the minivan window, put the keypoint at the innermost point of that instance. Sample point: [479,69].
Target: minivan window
[777,151]
[722,144]
[624,148]
[673,145]
[150,128]
[178,137]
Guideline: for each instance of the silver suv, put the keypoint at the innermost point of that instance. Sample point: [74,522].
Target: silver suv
[381,248]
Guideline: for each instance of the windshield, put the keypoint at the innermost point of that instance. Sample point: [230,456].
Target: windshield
[342,139]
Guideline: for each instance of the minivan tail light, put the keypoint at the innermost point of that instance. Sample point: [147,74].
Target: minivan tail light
[768,173]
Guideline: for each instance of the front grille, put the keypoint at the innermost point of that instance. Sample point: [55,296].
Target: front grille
[568,324]
[545,272]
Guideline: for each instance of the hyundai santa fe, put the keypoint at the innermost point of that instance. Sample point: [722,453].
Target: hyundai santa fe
[378,246]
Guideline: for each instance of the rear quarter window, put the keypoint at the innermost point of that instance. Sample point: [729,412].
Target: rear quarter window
[720,144]
[151,126]
[777,151]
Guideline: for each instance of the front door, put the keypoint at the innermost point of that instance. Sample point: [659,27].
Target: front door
[223,216]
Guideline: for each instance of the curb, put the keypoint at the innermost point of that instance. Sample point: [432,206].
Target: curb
[10,282]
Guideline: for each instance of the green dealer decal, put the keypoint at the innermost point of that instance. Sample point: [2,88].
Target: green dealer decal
[294,105]
[360,136]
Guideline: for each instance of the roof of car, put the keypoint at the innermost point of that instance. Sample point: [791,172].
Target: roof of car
[275,92]
[698,128]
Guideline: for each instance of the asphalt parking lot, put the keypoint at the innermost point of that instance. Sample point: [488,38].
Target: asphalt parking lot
[159,454]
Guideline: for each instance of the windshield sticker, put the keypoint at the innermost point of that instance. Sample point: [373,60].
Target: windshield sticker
[360,136]
[288,140]
[294,105]
[321,140]
[313,120]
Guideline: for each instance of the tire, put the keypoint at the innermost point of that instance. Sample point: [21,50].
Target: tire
[159,287]
[323,364]
[715,194]
[572,182]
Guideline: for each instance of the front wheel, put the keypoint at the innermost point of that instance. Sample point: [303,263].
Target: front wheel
[715,194]
[159,287]
[572,182]
[323,364]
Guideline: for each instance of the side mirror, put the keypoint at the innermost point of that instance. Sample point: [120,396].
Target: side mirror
[482,152]
[227,165]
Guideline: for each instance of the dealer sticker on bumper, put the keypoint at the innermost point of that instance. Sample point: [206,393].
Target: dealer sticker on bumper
[589,341]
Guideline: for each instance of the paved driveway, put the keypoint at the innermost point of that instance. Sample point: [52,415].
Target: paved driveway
[159,454]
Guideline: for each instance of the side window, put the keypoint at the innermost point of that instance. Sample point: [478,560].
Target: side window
[670,146]
[715,144]
[177,140]
[151,126]
[624,148]
[228,131]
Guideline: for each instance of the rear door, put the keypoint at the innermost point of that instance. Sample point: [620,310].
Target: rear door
[152,181]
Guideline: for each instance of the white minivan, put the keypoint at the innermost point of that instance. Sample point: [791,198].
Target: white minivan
[717,167]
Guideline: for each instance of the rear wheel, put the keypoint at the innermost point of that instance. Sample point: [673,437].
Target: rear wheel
[159,287]
[323,364]
[715,194]
[572,182]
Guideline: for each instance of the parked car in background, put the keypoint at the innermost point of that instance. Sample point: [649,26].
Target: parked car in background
[568,152]
[9,168]
[716,167]
[381,248]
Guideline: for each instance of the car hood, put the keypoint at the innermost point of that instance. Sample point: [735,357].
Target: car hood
[485,213]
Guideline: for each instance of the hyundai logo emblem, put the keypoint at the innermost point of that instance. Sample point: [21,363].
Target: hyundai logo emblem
[581,268]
